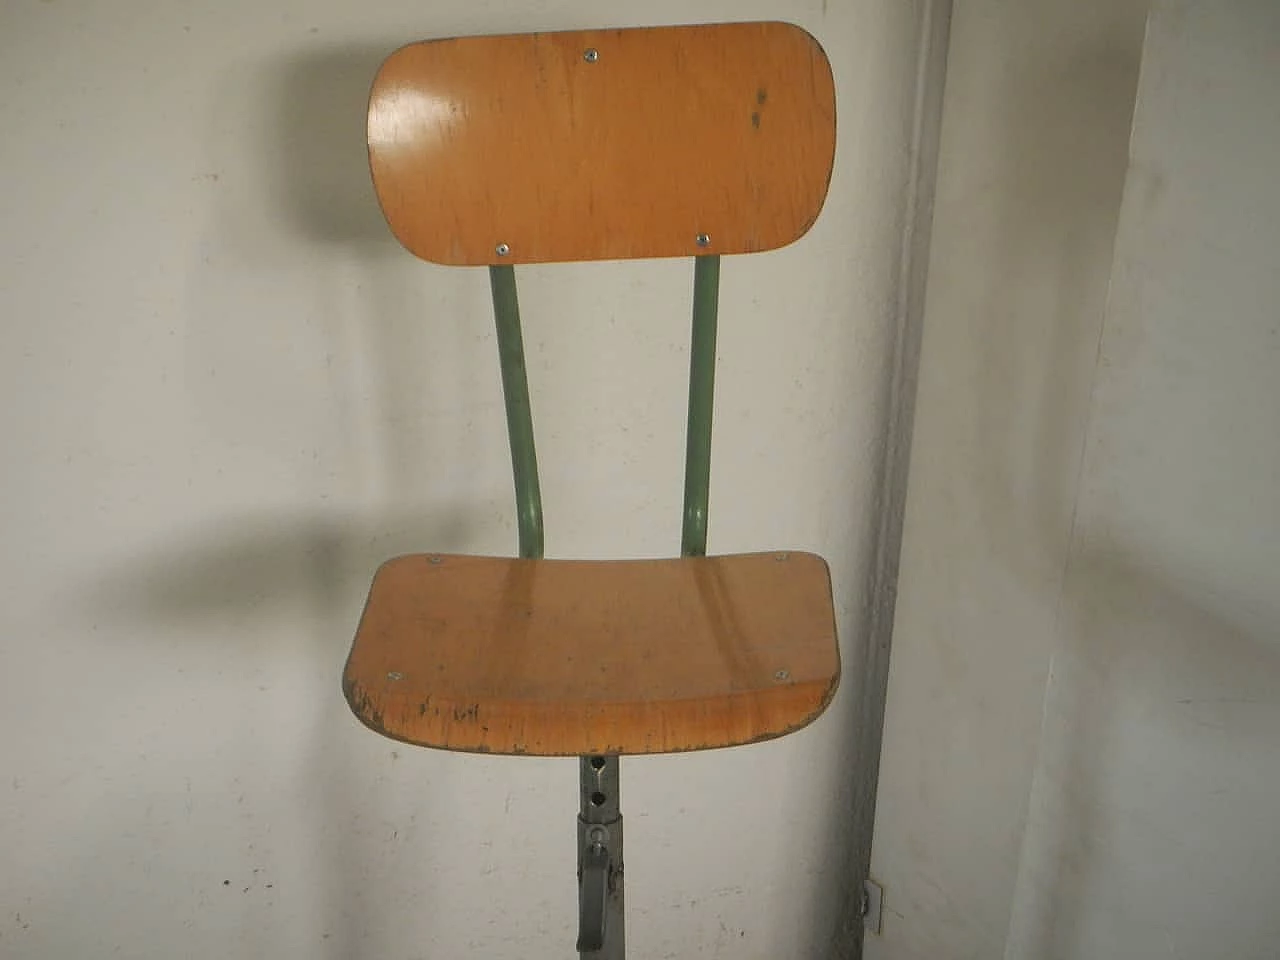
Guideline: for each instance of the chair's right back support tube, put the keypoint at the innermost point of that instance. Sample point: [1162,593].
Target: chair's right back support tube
[702,382]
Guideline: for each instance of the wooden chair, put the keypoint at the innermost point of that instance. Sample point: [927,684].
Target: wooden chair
[491,151]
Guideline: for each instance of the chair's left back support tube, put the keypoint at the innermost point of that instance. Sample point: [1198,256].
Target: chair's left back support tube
[515,390]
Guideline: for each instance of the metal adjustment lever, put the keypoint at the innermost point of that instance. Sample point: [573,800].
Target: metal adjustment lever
[601,928]
[593,893]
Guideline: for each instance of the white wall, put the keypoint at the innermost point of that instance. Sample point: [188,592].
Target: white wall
[228,394]
[1036,117]
[1152,829]
[1081,755]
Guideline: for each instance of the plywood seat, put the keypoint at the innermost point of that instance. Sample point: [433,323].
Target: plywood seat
[558,657]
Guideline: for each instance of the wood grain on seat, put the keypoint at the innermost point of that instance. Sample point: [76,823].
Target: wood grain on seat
[562,658]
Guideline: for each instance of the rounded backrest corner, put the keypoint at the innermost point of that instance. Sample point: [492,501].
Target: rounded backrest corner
[808,35]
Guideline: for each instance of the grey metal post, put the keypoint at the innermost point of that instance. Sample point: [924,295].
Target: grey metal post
[601,913]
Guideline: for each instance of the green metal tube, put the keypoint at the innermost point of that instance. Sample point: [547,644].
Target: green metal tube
[515,389]
[702,380]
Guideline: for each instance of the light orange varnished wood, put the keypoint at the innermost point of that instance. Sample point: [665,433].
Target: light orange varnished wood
[532,144]
[563,658]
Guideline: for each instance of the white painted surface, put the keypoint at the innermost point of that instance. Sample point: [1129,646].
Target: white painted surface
[1083,749]
[1152,830]
[1036,121]
[228,395]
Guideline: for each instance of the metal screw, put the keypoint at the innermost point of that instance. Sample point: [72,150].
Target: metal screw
[503,249]
[395,675]
[436,560]
[591,55]
[703,239]
[781,675]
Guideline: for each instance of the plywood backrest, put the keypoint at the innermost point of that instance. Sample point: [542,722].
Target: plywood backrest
[605,144]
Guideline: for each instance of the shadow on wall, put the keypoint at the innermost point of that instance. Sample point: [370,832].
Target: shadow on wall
[1054,230]
[233,569]
[417,328]
[241,574]
[299,211]
[318,160]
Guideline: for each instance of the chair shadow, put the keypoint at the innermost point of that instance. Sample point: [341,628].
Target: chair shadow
[243,569]
[318,162]
[253,562]
[250,570]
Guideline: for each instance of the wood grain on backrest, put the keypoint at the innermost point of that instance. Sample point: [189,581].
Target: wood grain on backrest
[607,144]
